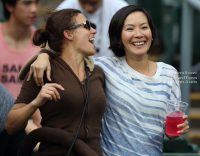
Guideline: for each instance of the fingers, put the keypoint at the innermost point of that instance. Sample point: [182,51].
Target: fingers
[164,122]
[48,73]
[37,69]
[41,98]
[184,125]
[185,122]
[184,130]
[54,93]
[48,92]
[51,90]
[185,117]
[29,74]
[45,95]
[35,75]
[51,93]
[56,86]
[40,75]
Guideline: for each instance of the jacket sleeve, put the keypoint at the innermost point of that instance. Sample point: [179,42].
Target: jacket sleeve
[53,136]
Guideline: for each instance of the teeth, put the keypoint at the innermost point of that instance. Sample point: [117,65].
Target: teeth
[91,40]
[138,43]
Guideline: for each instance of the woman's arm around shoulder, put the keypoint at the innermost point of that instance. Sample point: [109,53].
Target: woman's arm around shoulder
[37,64]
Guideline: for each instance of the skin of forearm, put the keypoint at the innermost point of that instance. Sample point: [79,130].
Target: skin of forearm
[18,118]
[37,118]
[30,127]
[44,55]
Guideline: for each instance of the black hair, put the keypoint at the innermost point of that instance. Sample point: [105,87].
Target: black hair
[116,26]
[56,23]
[5,10]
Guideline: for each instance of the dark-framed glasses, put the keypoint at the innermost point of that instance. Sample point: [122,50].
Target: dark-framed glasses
[86,25]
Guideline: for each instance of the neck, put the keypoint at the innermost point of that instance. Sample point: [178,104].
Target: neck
[15,30]
[140,64]
[75,61]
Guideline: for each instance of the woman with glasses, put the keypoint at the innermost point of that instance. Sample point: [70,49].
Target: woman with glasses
[137,89]
[63,100]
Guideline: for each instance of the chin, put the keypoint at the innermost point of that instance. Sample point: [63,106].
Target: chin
[90,53]
[139,53]
[29,23]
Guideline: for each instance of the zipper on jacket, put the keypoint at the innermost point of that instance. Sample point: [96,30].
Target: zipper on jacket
[87,132]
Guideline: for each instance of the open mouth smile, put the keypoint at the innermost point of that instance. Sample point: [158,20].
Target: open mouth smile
[138,43]
[91,40]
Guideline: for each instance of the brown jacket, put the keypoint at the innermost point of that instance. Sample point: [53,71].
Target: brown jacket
[65,114]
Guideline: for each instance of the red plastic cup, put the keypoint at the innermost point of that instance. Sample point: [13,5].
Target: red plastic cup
[175,112]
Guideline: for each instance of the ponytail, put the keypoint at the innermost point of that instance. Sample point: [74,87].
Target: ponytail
[40,38]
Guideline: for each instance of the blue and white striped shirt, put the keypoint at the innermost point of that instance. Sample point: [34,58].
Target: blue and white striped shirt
[135,107]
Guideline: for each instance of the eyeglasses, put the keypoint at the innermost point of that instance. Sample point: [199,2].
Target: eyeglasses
[86,25]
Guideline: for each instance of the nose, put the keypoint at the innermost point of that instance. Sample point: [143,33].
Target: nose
[138,33]
[88,8]
[93,31]
[34,8]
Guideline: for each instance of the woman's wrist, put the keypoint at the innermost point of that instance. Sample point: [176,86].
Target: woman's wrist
[34,104]
[44,55]
[171,137]
[51,54]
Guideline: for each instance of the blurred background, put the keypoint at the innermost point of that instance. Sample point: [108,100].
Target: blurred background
[178,33]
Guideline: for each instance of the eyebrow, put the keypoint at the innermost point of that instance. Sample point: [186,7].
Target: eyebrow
[133,25]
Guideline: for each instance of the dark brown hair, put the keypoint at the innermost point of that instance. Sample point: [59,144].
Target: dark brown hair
[5,10]
[116,26]
[56,23]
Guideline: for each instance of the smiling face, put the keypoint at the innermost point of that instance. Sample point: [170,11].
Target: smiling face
[136,34]
[83,38]
[25,11]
